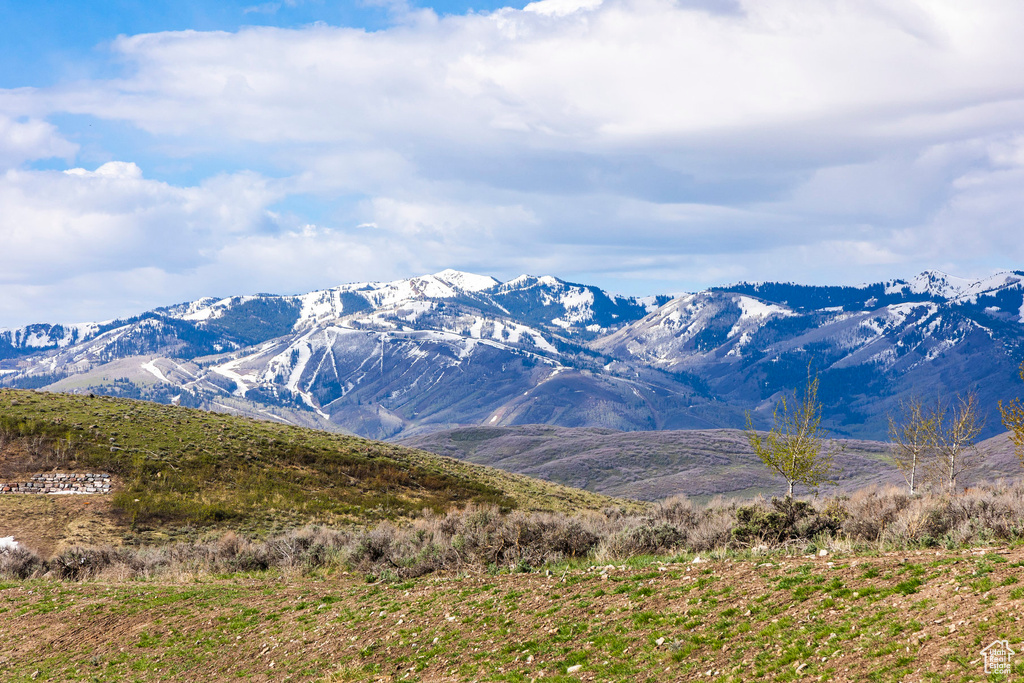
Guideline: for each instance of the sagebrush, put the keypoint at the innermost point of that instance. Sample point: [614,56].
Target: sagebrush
[485,537]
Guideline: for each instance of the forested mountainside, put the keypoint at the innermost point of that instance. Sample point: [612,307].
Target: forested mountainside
[397,359]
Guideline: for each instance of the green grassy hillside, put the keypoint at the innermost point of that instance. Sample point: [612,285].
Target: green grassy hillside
[183,468]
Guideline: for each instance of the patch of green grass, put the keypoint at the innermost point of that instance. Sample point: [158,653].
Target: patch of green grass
[910,586]
[185,467]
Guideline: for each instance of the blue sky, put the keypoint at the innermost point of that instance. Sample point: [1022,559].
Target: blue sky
[156,152]
[48,41]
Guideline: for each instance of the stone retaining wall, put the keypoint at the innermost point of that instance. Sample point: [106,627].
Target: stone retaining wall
[58,483]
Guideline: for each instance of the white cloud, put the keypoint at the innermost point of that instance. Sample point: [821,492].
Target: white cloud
[29,140]
[621,140]
[561,8]
[615,73]
[59,225]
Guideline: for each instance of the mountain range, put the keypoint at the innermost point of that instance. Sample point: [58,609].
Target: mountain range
[393,360]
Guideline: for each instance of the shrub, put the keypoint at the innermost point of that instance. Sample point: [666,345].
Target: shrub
[76,564]
[713,530]
[20,563]
[770,524]
[486,536]
[644,540]
[869,511]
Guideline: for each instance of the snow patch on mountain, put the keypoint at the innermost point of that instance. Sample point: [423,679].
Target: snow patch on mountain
[41,336]
[202,309]
[874,325]
[469,282]
[529,281]
[520,282]
[393,294]
[940,285]
[329,304]
[990,284]
[543,344]
[931,282]
[228,371]
[755,311]
[152,369]
[578,305]
[898,313]
[650,303]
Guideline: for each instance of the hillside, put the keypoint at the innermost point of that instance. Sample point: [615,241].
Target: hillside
[179,469]
[656,465]
[393,360]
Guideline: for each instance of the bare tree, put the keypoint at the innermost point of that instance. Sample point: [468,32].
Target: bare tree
[1013,420]
[956,428]
[912,439]
[795,446]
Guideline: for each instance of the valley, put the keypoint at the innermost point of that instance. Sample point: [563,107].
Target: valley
[698,464]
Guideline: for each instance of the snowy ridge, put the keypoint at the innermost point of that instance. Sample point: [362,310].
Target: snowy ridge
[530,281]
[213,309]
[201,309]
[940,285]
[754,311]
[43,336]
[467,282]
[447,284]
[931,282]
[384,358]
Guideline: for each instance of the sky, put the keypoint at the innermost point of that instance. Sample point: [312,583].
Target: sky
[158,152]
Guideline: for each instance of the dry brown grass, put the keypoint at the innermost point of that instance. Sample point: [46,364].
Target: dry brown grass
[481,536]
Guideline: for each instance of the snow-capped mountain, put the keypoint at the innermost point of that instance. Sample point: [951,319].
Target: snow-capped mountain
[393,358]
[871,344]
[373,358]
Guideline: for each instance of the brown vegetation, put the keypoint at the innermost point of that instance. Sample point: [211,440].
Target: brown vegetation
[486,537]
[936,443]
[911,437]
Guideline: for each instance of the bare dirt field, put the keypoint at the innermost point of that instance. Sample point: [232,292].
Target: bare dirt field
[51,524]
[919,615]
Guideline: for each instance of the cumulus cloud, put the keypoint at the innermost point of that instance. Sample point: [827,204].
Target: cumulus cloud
[626,141]
[574,74]
[59,225]
[30,140]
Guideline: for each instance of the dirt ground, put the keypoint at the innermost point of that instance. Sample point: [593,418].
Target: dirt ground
[912,616]
[49,524]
